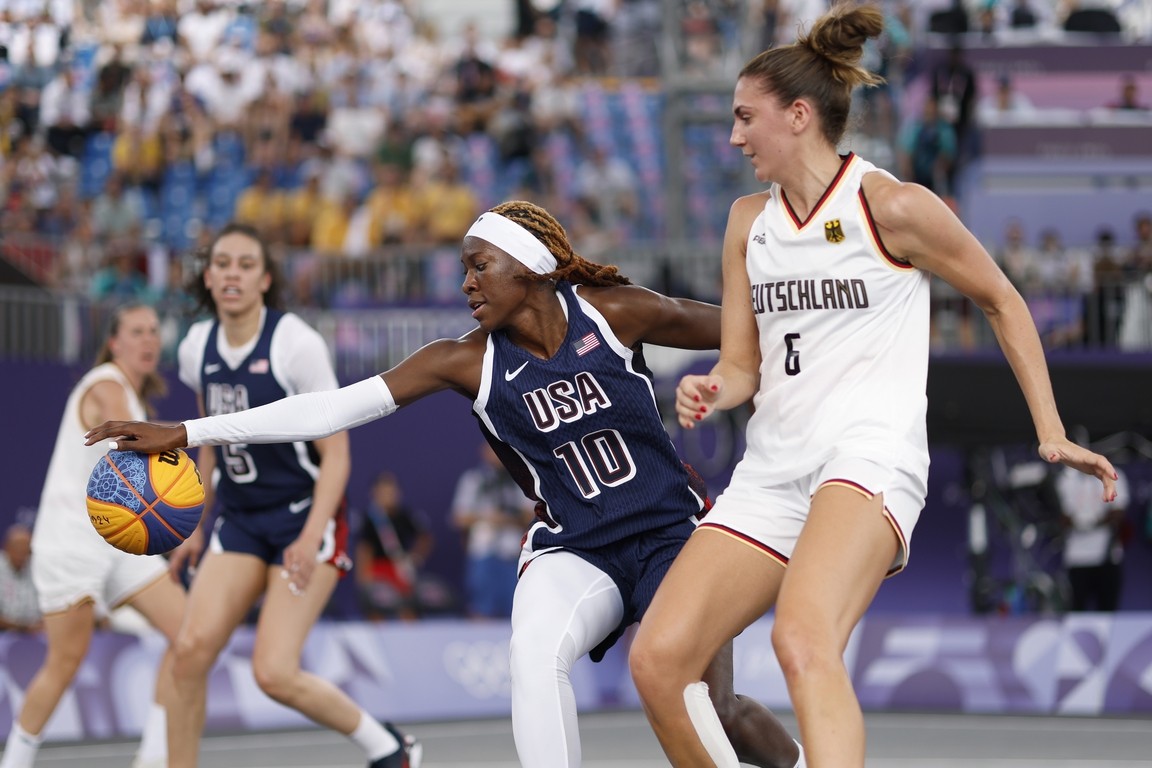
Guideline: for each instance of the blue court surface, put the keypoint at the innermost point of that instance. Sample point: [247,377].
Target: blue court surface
[623,740]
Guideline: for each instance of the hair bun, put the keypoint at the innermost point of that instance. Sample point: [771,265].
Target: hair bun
[839,37]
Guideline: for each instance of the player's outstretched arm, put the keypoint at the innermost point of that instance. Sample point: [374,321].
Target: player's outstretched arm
[444,364]
[916,225]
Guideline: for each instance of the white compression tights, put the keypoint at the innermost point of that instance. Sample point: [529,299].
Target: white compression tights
[564,606]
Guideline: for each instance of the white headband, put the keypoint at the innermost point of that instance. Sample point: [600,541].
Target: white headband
[514,240]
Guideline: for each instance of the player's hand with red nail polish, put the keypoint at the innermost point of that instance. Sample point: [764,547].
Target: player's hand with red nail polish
[1065,451]
[694,396]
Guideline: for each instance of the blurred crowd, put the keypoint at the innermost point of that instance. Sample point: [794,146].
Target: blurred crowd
[132,129]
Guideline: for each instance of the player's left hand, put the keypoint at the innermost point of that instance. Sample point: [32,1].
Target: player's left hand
[1067,452]
[299,562]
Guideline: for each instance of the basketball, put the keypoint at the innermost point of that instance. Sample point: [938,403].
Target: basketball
[145,504]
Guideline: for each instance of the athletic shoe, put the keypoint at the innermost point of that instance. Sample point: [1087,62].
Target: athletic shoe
[410,754]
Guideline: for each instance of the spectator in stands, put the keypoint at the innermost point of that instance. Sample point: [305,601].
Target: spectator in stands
[226,86]
[120,281]
[592,18]
[161,22]
[262,206]
[493,513]
[309,118]
[301,207]
[1020,262]
[65,113]
[19,609]
[928,149]
[138,157]
[202,29]
[108,92]
[447,206]
[29,77]
[1022,16]
[115,212]
[1006,104]
[1093,549]
[392,206]
[38,174]
[355,129]
[438,142]
[954,90]
[1129,95]
[606,187]
[144,101]
[1140,259]
[475,84]
[80,256]
[393,544]
[330,227]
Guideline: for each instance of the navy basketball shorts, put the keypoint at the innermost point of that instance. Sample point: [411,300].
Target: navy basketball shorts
[636,565]
[266,533]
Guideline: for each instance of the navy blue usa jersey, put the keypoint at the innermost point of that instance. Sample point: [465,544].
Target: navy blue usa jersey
[254,477]
[582,429]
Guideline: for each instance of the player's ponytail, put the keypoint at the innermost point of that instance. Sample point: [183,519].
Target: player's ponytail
[154,384]
[570,265]
[822,66]
[273,297]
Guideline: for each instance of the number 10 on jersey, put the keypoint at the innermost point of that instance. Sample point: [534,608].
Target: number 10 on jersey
[608,456]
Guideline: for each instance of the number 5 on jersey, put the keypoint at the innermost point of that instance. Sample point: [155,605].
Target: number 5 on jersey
[792,359]
[608,456]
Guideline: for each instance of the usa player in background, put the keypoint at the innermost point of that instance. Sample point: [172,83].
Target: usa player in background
[561,393]
[280,529]
[826,320]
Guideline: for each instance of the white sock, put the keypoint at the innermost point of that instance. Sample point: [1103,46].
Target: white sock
[21,748]
[707,724]
[801,763]
[373,738]
[154,741]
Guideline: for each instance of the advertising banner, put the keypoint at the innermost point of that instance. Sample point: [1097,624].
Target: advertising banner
[1079,664]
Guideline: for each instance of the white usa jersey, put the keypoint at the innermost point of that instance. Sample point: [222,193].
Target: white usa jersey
[843,339]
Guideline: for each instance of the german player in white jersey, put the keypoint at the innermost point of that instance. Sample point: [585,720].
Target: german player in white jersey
[74,569]
[825,322]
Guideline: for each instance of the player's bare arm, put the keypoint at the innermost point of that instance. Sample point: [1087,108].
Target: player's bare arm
[736,377]
[443,364]
[637,314]
[104,401]
[916,226]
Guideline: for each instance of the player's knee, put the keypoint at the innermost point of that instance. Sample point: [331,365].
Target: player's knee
[193,655]
[65,659]
[654,661]
[276,680]
[536,659]
[798,645]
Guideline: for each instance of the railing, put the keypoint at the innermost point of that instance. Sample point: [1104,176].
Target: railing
[40,326]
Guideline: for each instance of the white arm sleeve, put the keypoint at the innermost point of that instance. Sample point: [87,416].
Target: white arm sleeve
[309,416]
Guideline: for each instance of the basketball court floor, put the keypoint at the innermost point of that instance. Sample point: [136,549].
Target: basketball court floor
[623,740]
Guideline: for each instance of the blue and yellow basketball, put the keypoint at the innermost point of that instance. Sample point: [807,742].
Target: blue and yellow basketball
[145,504]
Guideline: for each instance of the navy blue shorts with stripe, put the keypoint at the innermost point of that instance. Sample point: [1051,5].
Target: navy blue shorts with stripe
[266,533]
[636,565]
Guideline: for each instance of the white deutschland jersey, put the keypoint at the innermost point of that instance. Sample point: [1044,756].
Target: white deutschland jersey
[843,339]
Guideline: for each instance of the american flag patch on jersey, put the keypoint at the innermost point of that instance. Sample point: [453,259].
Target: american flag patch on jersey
[259,366]
[586,344]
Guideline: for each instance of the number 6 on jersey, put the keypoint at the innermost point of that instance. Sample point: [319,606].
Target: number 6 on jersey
[792,359]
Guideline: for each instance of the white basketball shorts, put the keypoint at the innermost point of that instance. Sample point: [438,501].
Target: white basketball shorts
[770,518]
[67,576]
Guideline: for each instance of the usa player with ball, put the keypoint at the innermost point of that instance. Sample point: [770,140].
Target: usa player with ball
[74,569]
[561,393]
